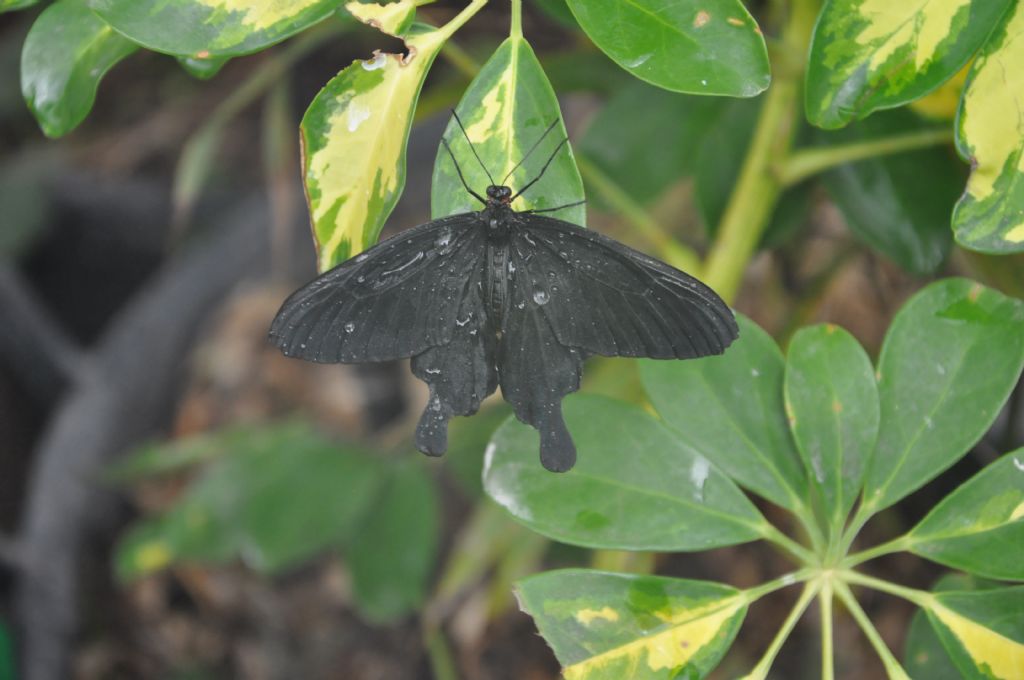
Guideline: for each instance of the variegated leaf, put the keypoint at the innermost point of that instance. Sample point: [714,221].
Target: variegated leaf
[983,631]
[605,626]
[506,111]
[990,216]
[354,136]
[393,18]
[206,28]
[868,55]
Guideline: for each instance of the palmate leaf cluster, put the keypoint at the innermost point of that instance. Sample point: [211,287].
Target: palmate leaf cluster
[823,431]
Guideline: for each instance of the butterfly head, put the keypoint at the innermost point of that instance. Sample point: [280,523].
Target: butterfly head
[497,194]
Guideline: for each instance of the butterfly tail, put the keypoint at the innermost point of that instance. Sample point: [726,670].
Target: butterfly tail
[557,450]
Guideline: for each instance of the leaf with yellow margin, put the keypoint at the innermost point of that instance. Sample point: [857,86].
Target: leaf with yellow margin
[393,18]
[605,626]
[983,631]
[990,133]
[973,526]
[211,28]
[868,55]
[12,5]
[354,136]
[506,110]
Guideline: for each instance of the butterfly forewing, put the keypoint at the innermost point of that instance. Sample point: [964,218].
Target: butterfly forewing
[397,299]
[606,298]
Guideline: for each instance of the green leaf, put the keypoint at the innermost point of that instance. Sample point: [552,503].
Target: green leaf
[286,497]
[973,526]
[7,664]
[10,6]
[636,486]
[67,52]
[949,361]
[161,458]
[506,110]
[393,18]
[898,204]
[982,631]
[868,55]
[203,69]
[645,149]
[211,28]
[354,139]
[392,553]
[730,409]
[990,133]
[605,626]
[832,402]
[696,46]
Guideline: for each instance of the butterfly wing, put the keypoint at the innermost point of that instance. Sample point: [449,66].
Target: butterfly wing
[606,298]
[395,300]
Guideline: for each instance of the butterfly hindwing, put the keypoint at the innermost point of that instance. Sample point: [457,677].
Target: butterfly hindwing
[460,373]
[606,298]
[395,300]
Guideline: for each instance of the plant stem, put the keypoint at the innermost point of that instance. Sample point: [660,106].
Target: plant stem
[825,605]
[804,163]
[671,250]
[892,666]
[516,30]
[790,546]
[918,597]
[461,18]
[758,188]
[441,662]
[757,592]
[760,671]
[895,545]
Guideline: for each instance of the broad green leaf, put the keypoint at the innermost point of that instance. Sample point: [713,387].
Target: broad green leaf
[203,69]
[730,409]
[868,55]
[977,526]
[990,133]
[636,485]
[832,403]
[506,110]
[950,359]
[393,18]
[696,46]
[605,626]
[288,496]
[392,553]
[161,458]
[924,656]
[211,28]
[354,136]
[66,54]
[10,6]
[898,204]
[645,149]
[7,664]
[983,631]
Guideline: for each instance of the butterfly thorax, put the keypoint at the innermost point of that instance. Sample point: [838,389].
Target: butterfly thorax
[496,218]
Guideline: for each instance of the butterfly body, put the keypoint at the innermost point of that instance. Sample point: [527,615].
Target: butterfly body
[502,298]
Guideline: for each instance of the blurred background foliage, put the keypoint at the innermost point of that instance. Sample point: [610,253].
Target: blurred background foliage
[269,519]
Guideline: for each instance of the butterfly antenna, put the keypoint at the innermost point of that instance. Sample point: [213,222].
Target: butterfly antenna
[459,170]
[561,207]
[542,170]
[535,145]
[471,147]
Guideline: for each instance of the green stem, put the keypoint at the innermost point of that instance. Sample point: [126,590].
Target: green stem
[757,592]
[895,545]
[918,597]
[760,671]
[860,518]
[516,30]
[892,666]
[438,651]
[827,657]
[804,163]
[758,188]
[790,546]
[671,250]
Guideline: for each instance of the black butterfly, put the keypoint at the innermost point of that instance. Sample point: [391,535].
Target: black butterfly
[501,297]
